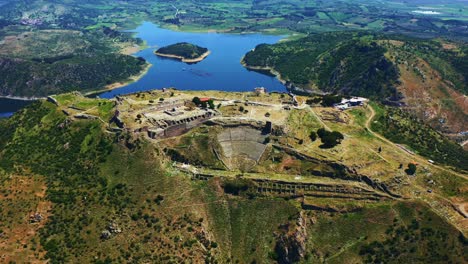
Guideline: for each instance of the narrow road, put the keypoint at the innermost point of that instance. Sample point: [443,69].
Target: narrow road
[420,159]
[464,143]
[318,118]
[177,11]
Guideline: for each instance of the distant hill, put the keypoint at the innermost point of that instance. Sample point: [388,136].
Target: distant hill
[348,63]
[85,73]
[428,76]
[354,63]
[44,62]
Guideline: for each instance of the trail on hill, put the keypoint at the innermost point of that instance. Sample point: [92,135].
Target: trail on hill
[419,159]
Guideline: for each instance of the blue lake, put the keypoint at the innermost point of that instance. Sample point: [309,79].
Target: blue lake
[221,70]
[9,106]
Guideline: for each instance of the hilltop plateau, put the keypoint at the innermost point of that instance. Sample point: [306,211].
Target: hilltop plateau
[221,177]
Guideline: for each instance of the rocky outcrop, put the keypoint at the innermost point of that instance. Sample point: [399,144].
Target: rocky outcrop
[52,100]
[291,243]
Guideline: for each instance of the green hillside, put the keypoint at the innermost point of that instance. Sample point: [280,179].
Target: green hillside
[45,62]
[354,63]
[348,63]
[96,179]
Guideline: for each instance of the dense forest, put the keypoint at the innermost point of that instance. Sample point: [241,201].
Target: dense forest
[355,63]
[350,63]
[84,72]
[47,62]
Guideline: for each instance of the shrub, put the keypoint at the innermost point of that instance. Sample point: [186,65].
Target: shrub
[329,139]
[330,100]
[211,104]
[411,170]
[313,136]
[196,101]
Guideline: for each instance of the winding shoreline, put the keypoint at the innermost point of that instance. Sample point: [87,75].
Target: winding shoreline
[289,86]
[21,98]
[117,85]
[183,59]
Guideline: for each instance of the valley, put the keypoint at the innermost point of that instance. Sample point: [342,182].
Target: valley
[240,131]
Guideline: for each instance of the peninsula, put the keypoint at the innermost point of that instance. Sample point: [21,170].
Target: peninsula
[186,52]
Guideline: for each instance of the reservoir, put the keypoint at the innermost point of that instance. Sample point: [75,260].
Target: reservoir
[221,70]
[9,106]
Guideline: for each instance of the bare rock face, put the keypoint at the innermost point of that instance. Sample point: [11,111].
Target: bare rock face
[291,244]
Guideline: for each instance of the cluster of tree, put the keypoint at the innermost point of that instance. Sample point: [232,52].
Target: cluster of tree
[411,170]
[204,104]
[330,99]
[325,100]
[329,138]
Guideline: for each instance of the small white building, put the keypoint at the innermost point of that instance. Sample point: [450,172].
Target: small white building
[348,103]
[260,90]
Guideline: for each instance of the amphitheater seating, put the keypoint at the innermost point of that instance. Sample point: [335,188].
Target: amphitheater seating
[242,141]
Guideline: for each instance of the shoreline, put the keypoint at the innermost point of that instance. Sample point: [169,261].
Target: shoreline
[259,68]
[289,86]
[200,29]
[117,85]
[21,98]
[183,59]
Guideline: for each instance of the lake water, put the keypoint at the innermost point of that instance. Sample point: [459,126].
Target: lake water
[221,70]
[9,106]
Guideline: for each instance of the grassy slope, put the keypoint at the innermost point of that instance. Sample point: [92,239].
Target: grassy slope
[396,232]
[401,127]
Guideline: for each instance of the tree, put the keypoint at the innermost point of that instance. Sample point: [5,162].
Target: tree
[211,104]
[321,132]
[337,136]
[196,101]
[411,170]
[329,139]
[313,136]
[330,100]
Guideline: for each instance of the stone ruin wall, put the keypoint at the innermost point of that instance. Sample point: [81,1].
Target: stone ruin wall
[178,128]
